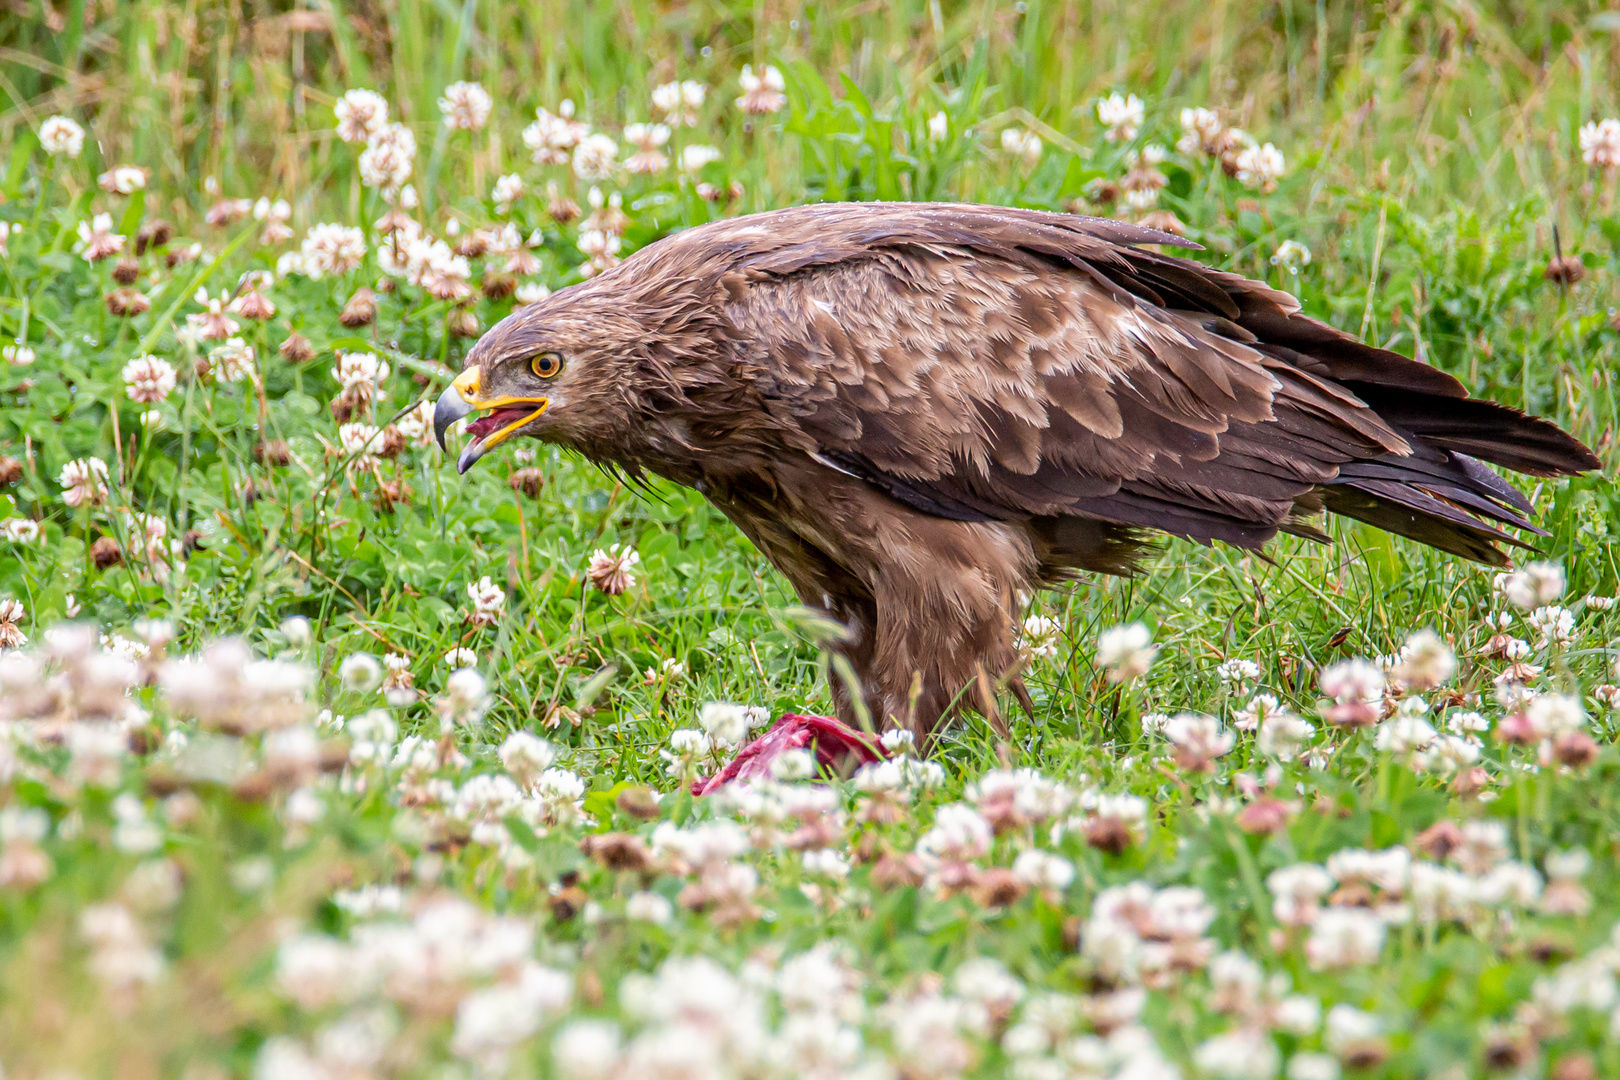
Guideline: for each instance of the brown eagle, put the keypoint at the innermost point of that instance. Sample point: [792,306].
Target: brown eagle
[921,412]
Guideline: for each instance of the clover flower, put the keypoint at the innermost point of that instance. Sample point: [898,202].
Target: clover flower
[508,190]
[232,361]
[679,102]
[649,140]
[596,157]
[611,569]
[1126,652]
[466,106]
[553,136]
[762,92]
[1532,586]
[12,614]
[1041,636]
[122,180]
[388,159]
[333,250]
[97,239]
[148,379]
[17,355]
[360,374]
[1196,740]
[489,602]
[1357,690]
[1022,144]
[61,135]
[1600,143]
[360,115]
[84,481]
[1121,115]
[1260,167]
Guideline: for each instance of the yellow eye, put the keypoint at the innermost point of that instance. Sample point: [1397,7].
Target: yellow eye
[546,365]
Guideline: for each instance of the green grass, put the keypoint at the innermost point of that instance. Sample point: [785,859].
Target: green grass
[1432,152]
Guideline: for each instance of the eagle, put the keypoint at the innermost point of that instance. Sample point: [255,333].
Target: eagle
[920,413]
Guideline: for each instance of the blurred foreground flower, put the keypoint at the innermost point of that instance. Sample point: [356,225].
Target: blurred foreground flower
[1126,651]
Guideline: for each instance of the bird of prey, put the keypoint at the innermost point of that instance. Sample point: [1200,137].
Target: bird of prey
[920,413]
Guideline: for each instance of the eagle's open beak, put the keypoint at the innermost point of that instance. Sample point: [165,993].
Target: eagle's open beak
[507,416]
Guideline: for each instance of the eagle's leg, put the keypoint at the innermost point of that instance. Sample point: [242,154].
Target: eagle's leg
[947,596]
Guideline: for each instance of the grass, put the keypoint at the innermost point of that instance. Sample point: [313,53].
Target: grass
[1432,153]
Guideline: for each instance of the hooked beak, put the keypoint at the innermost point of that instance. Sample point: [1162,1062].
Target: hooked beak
[508,415]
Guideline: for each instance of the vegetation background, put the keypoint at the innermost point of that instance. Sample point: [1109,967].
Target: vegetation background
[1434,172]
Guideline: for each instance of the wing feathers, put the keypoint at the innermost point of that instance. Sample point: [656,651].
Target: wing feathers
[985,363]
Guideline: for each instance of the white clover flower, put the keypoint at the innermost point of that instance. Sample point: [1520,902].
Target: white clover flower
[18,355]
[19,530]
[465,698]
[695,156]
[508,190]
[359,441]
[466,106]
[649,140]
[361,373]
[360,115]
[1126,651]
[1121,115]
[596,157]
[231,361]
[1532,586]
[1600,143]
[680,101]
[1344,937]
[1043,870]
[84,481]
[460,658]
[762,92]
[939,126]
[331,249]
[791,765]
[726,723]
[1260,167]
[1197,740]
[1237,671]
[1425,662]
[1241,1054]
[489,602]
[148,379]
[552,136]
[530,292]
[1042,636]
[649,907]
[611,570]
[1347,1027]
[122,180]
[1281,734]
[1555,624]
[1022,144]
[61,135]
[360,671]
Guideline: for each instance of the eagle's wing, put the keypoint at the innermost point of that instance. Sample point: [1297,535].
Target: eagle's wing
[982,363]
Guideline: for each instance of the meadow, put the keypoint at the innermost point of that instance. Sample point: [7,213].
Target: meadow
[318,760]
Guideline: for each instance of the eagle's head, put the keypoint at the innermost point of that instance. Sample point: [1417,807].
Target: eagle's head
[557,370]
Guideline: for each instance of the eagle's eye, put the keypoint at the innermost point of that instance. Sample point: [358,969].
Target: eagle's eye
[546,365]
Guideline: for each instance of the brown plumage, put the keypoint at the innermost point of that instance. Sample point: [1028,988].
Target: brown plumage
[919,412]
